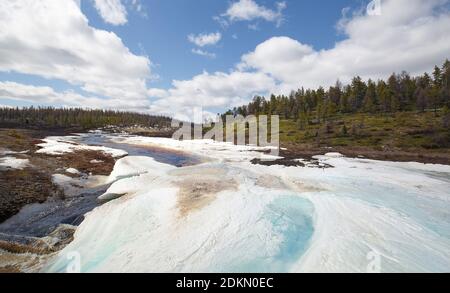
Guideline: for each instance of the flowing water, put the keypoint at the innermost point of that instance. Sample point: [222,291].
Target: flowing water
[177,159]
[38,220]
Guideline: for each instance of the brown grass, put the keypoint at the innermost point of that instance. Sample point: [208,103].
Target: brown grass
[34,184]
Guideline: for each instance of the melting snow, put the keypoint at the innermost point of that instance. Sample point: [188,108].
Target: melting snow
[13,163]
[61,145]
[72,171]
[266,218]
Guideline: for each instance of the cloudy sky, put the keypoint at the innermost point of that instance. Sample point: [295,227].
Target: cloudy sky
[173,56]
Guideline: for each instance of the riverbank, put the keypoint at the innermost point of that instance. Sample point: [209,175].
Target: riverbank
[48,182]
[229,215]
[295,151]
[33,183]
[37,215]
[88,172]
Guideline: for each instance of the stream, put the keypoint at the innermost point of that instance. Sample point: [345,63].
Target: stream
[177,159]
[40,219]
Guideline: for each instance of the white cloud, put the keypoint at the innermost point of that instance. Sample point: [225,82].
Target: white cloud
[410,35]
[112,11]
[53,39]
[203,53]
[203,40]
[157,93]
[44,95]
[212,91]
[248,10]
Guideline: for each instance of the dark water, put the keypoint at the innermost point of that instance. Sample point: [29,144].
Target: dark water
[177,159]
[38,220]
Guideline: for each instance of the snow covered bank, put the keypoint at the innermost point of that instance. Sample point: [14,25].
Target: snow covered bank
[151,229]
[6,152]
[228,215]
[222,151]
[13,163]
[60,145]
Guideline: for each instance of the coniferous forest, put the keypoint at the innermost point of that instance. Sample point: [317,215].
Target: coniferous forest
[401,92]
[50,117]
[401,113]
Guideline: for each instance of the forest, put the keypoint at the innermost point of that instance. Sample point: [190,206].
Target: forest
[49,117]
[400,93]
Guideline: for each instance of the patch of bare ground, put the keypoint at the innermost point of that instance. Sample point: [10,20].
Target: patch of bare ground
[300,186]
[291,152]
[142,131]
[14,263]
[396,155]
[82,161]
[9,270]
[269,181]
[56,240]
[27,254]
[34,184]
[198,187]
[22,187]
[290,157]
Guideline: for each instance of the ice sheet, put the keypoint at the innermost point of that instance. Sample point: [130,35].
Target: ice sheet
[266,219]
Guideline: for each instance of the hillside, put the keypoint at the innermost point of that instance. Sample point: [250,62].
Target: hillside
[403,118]
[403,136]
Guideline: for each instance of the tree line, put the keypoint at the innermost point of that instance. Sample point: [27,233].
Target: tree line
[400,92]
[77,117]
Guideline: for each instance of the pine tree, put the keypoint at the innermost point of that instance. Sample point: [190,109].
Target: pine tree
[446,83]
[384,96]
[370,98]
[394,93]
[421,99]
[358,93]
[344,101]
[437,77]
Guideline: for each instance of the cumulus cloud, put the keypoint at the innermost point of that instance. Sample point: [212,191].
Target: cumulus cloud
[211,91]
[409,35]
[46,95]
[53,39]
[112,11]
[203,40]
[248,10]
[157,93]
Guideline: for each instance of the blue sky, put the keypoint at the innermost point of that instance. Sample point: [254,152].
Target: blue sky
[129,54]
[162,35]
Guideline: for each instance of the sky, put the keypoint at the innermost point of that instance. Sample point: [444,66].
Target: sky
[174,57]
